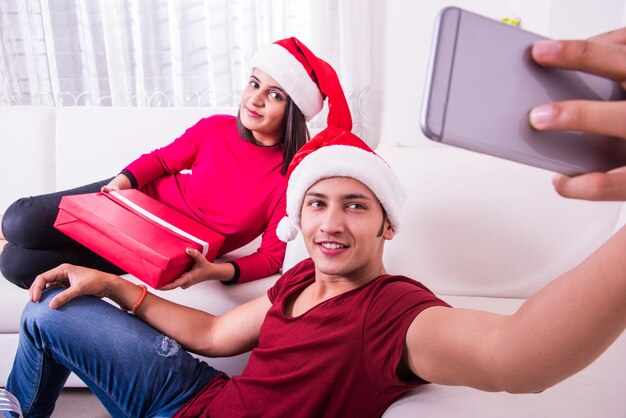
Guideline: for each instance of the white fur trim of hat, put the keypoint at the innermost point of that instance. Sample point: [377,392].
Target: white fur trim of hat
[283,67]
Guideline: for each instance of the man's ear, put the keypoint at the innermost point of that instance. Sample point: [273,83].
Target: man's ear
[389,232]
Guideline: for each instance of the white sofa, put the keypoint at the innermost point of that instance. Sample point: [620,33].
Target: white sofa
[479,231]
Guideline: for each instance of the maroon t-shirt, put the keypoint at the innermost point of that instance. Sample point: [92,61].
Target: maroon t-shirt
[337,359]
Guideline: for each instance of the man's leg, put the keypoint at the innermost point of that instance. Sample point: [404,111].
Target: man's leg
[134,370]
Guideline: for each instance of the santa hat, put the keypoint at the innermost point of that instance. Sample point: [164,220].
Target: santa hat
[335,152]
[307,79]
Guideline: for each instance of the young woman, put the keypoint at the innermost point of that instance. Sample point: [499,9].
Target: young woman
[237,181]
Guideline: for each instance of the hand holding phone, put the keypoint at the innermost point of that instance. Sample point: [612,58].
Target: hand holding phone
[604,55]
[482,84]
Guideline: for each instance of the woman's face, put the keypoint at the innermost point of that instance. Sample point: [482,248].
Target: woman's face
[263,108]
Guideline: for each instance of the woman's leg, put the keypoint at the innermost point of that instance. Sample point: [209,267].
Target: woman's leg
[3,242]
[133,369]
[29,221]
[35,246]
[20,266]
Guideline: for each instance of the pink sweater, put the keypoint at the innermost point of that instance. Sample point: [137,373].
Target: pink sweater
[235,187]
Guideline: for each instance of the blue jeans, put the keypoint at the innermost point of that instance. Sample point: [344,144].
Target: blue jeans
[133,369]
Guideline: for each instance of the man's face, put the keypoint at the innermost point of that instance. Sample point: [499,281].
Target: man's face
[341,224]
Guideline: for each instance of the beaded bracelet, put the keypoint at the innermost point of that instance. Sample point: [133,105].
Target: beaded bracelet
[144,292]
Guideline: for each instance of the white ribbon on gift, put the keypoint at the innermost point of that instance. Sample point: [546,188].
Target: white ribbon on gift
[164,223]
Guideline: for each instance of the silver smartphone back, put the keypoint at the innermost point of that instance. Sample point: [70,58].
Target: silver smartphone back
[482,83]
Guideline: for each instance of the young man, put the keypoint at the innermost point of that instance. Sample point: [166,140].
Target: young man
[336,335]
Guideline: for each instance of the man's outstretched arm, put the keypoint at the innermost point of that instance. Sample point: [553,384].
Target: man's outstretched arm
[554,334]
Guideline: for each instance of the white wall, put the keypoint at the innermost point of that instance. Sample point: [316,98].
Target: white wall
[401,39]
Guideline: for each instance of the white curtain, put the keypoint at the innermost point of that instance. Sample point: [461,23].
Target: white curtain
[169,52]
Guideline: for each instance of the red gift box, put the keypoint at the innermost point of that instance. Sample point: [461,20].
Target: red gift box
[136,233]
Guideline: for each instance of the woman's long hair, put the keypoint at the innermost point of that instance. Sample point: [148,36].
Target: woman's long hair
[296,133]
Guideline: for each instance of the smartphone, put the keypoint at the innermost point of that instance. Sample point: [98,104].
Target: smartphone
[482,83]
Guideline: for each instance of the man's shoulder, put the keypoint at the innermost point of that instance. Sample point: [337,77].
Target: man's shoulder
[305,265]
[301,272]
[394,287]
[392,298]
[400,281]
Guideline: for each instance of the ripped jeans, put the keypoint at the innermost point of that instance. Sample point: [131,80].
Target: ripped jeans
[133,369]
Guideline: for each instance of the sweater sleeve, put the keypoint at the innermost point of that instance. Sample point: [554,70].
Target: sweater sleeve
[268,258]
[170,159]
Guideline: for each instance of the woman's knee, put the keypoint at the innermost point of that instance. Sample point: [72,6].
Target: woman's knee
[27,219]
[12,220]
[15,268]
[20,265]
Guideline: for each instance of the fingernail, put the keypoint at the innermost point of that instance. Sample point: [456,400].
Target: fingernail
[546,47]
[541,116]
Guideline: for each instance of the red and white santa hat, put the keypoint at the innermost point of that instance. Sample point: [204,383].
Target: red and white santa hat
[307,79]
[336,152]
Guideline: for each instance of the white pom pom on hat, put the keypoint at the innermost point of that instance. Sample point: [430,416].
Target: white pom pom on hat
[336,152]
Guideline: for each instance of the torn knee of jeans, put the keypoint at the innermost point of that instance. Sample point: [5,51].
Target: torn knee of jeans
[165,346]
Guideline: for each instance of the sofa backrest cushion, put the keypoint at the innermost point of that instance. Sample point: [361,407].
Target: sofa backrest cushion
[94,143]
[27,150]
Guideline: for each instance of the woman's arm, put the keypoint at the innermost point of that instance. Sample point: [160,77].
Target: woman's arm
[265,261]
[268,258]
[119,182]
[200,271]
[173,158]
